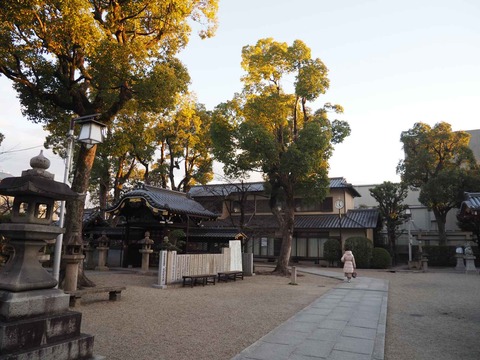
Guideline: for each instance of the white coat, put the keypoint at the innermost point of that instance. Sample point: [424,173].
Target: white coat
[348,262]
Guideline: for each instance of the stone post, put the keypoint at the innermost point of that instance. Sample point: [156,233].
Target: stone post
[72,258]
[146,250]
[460,263]
[88,250]
[470,260]
[102,249]
[293,280]
[424,261]
[162,270]
[470,264]
[247,266]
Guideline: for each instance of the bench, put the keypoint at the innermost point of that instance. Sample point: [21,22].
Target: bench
[114,293]
[230,275]
[199,279]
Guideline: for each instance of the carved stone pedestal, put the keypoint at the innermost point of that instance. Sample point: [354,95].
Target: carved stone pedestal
[71,271]
[145,259]
[37,324]
[146,250]
[424,262]
[470,264]
[89,263]
[102,258]
[460,262]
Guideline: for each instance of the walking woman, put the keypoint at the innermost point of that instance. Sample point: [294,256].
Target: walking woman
[349,265]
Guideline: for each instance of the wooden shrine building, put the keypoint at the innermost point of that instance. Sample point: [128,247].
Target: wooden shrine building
[158,211]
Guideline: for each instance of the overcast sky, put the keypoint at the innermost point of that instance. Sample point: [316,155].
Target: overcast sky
[392,63]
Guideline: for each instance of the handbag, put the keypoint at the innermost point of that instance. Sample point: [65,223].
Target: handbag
[354,274]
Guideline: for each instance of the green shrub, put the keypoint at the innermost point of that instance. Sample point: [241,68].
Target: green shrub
[440,255]
[332,250]
[381,258]
[362,250]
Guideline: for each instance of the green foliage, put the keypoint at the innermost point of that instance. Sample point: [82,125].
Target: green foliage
[174,241]
[440,163]
[332,250]
[440,255]
[77,57]
[381,259]
[390,197]
[362,250]
[267,129]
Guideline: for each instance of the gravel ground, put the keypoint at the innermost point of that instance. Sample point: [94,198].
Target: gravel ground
[433,315]
[214,322]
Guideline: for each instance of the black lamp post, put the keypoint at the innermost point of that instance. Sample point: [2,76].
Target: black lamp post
[91,133]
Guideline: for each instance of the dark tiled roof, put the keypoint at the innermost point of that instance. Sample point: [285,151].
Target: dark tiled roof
[228,189]
[163,199]
[354,219]
[341,183]
[223,190]
[93,216]
[470,206]
[214,233]
[472,201]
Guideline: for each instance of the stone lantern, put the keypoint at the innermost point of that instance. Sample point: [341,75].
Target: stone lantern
[88,251]
[35,321]
[35,193]
[146,250]
[469,260]
[102,248]
[72,257]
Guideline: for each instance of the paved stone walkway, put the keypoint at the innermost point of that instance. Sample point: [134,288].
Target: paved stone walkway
[348,322]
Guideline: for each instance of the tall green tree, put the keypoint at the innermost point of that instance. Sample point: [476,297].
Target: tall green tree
[270,128]
[390,197]
[82,57]
[439,162]
[184,140]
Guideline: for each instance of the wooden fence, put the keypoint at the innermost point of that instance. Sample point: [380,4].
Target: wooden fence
[172,266]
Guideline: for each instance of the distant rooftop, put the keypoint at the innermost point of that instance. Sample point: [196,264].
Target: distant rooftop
[232,188]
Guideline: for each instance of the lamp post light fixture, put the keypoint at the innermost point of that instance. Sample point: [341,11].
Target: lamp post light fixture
[91,133]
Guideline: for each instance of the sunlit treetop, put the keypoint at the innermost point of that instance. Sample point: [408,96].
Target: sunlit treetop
[85,57]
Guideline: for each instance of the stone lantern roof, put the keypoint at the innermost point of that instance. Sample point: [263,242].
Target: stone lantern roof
[37,182]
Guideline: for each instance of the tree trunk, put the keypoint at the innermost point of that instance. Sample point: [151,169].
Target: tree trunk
[286,227]
[74,208]
[104,187]
[392,244]
[440,217]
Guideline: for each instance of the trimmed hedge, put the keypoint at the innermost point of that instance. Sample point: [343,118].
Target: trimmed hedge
[440,255]
[332,250]
[362,250]
[381,258]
